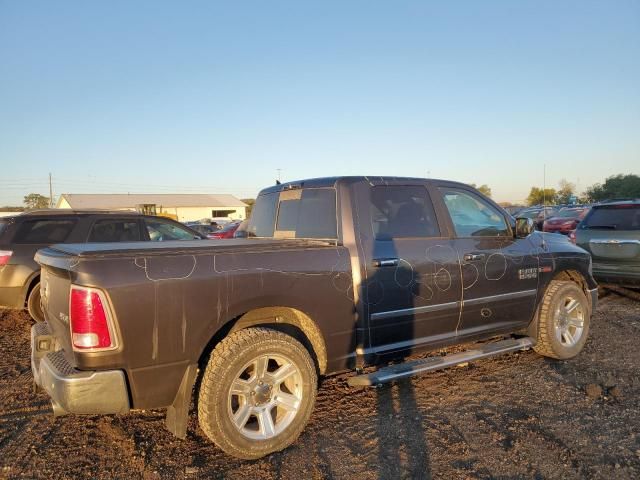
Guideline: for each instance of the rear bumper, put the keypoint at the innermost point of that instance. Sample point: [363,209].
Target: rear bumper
[72,390]
[622,273]
[14,283]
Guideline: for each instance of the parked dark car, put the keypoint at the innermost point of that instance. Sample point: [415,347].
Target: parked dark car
[337,273]
[227,231]
[24,234]
[204,229]
[611,232]
[565,221]
[538,215]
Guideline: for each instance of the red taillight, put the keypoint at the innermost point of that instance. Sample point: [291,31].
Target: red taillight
[5,256]
[89,320]
[572,236]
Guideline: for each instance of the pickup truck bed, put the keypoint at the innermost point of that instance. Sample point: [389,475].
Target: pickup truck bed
[184,295]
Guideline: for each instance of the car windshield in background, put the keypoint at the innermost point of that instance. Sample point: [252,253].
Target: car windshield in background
[3,225]
[613,217]
[160,231]
[229,226]
[570,213]
[529,213]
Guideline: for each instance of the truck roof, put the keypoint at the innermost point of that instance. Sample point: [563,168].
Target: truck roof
[334,181]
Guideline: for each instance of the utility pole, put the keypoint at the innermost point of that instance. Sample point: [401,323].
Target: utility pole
[279,171]
[50,192]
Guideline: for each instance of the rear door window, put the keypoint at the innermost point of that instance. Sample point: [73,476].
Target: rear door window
[613,217]
[44,231]
[402,212]
[115,230]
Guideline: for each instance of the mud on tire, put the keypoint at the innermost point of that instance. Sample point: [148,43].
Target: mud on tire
[257,392]
[563,320]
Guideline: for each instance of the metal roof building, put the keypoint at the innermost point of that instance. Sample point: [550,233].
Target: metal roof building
[184,206]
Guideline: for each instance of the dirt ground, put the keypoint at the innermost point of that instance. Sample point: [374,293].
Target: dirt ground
[516,416]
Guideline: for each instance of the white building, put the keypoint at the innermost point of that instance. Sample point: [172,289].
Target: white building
[183,207]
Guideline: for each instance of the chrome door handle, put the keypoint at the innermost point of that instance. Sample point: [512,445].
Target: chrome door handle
[473,257]
[386,262]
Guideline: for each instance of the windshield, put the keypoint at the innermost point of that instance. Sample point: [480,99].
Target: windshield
[529,213]
[230,226]
[573,213]
[614,217]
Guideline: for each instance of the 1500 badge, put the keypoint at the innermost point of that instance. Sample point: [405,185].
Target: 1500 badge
[528,273]
[532,272]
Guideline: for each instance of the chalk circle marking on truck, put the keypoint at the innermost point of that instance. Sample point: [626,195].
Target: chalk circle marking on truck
[403,274]
[466,267]
[342,282]
[496,267]
[443,279]
[165,268]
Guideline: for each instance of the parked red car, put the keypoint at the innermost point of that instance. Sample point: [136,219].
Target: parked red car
[227,231]
[565,221]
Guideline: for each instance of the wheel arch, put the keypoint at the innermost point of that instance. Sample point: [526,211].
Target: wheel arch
[31,282]
[573,276]
[288,320]
[570,275]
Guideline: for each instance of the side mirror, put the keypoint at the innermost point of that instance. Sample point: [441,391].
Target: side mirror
[524,227]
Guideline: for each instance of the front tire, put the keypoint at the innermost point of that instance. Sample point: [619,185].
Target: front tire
[257,392]
[563,320]
[33,304]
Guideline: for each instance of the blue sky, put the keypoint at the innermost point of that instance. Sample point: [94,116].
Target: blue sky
[214,97]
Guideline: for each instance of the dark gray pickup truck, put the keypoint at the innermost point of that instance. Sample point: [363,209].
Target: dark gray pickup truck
[337,274]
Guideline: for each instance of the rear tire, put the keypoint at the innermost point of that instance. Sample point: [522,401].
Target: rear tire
[563,320]
[257,392]
[33,304]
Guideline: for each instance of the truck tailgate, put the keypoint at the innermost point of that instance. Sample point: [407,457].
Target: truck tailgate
[55,281]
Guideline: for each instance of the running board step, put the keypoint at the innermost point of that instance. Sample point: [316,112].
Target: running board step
[416,367]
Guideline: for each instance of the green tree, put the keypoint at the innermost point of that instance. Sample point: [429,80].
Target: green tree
[483,189]
[616,186]
[35,200]
[538,196]
[565,191]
